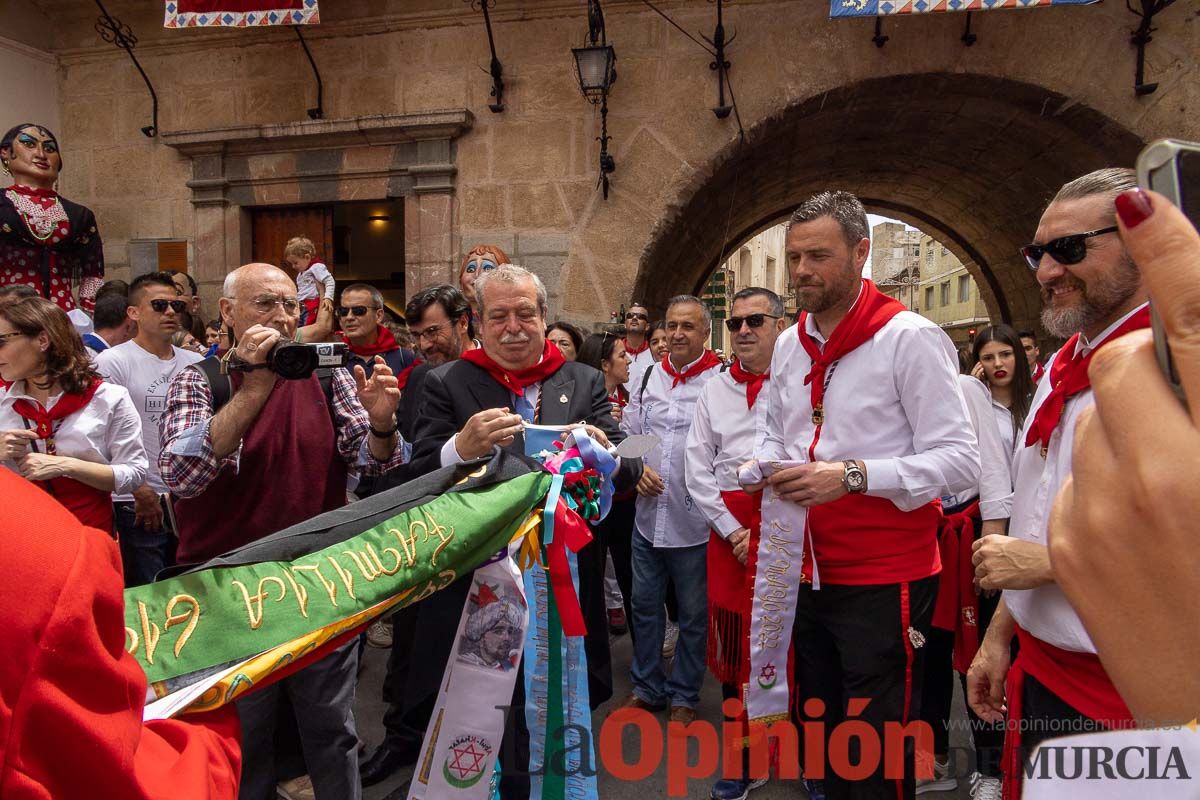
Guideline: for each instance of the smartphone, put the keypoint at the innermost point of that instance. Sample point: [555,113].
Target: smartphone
[1171,168]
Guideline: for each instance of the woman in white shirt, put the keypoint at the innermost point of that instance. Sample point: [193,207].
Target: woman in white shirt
[60,426]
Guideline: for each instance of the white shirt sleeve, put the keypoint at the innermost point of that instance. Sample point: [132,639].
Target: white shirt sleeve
[450,454]
[946,457]
[773,447]
[321,273]
[123,446]
[699,462]
[995,481]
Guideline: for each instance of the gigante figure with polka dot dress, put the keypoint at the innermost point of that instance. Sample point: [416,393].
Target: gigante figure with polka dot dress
[46,241]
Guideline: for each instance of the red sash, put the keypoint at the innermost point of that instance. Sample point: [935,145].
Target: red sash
[754,383]
[706,362]
[91,506]
[1069,377]
[516,380]
[1078,679]
[729,593]
[957,607]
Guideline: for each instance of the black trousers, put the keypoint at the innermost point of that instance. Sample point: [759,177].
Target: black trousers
[855,643]
[1045,715]
[937,695]
[615,533]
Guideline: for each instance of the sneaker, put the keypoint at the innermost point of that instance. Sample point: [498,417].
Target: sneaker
[985,788]
[616,621]
[735,789]
[815,789]
[297,789]
[942,780]
[670,640]
[379,634]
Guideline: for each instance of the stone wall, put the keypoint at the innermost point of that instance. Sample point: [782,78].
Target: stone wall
[965,141]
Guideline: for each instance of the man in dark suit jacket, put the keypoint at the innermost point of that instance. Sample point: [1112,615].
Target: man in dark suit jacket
[468,409]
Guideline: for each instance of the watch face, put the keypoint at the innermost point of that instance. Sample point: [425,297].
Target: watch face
[855,479]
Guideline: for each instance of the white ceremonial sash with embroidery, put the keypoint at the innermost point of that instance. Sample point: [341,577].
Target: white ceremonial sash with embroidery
[458,756]
[777,579]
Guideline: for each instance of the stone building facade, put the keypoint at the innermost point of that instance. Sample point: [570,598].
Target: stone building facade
[967,142]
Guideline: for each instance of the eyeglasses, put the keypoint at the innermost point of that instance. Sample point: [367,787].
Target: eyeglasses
[266,304]
[432,332]
[160,306]
[637,315]
[734,324]
[358,311]
[1065,249]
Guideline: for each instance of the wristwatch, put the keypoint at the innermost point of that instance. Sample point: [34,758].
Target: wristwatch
[853,477]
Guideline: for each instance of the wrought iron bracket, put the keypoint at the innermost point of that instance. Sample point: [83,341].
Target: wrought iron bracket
[879,39]
[720,64]
[968,38]
[1141,37]
[319,111]
[496,68]
[113,31]
[608,164]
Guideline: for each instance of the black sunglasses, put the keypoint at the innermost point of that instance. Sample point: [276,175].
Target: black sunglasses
[178,306]
[358,311]
[1065,249]
[734,324]
[637,315]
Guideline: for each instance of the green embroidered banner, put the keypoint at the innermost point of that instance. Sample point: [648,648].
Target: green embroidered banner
[225,614]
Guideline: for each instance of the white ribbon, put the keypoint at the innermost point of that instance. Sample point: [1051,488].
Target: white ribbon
[458,756]
[777,578]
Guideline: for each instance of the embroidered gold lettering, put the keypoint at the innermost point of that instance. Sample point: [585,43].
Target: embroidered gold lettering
[330,586]
[255,602]
[150,633]
[191,617]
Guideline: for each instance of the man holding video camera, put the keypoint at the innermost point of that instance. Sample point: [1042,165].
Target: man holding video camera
[262,443]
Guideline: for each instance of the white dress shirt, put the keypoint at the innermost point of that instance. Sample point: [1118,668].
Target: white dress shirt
[1045,612]
[638,364]
[724,435]
[672,519]
[992,422]
[108,430]
[893,402]
[449,455]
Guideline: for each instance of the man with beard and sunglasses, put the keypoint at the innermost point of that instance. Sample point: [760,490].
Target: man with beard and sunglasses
[865,411]
[1092,293]
[145,366]
[637,344]
[360,313]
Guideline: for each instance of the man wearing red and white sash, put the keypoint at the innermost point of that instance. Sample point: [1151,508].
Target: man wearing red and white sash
[1092,292]
[866,394]
[637,344]
[729,427]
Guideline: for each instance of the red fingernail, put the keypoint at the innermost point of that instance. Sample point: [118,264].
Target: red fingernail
[1133,207]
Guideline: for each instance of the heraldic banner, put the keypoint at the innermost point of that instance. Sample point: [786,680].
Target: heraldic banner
[873,8]
[258,613]
[240,13]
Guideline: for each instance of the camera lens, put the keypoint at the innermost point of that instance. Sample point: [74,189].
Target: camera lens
[292,361]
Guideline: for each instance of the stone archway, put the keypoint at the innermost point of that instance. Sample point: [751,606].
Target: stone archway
[971,159]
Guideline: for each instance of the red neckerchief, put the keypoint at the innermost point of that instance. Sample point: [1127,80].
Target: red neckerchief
[516,380]
[870,312]
[384,342]
[1069,377]
[43,420]
[633,351]
[620,396]
[43,197]
[402,378]
[1038,372]
[706,362]
[754,383]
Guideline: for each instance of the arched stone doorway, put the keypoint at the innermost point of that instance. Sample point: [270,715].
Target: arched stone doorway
[971,159]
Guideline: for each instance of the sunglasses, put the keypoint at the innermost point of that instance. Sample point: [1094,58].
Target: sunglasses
[734,324]
[358,311]
[160,306]
[637,315]
[1065,249]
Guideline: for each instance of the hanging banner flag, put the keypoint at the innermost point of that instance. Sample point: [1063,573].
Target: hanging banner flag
[873,8]
[240,13]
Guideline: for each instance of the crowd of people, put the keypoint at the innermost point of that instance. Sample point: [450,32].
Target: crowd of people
[937,526]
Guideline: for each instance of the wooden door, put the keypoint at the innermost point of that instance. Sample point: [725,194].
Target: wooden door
[273,227]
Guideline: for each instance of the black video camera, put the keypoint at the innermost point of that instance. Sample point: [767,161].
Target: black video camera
[296,361]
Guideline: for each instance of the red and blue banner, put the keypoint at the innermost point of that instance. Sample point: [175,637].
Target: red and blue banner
[240,13]
[873,8]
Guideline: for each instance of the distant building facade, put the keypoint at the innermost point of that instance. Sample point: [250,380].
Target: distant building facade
[757,262]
